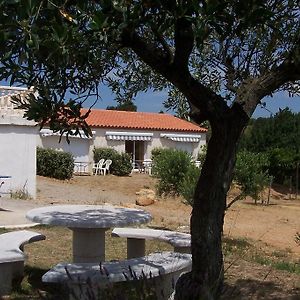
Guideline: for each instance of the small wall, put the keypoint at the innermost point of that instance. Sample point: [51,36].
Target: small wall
[18,154]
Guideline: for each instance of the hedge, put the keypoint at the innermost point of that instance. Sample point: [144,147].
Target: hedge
[53,163]
[121,164]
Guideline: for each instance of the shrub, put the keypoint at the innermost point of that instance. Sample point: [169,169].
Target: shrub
[155,152]
[202,154]
[251,173]
[121,164]
[283,164]
[170,166]
[188,184]
[53,163]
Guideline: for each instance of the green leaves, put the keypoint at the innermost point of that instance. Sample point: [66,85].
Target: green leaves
[251,173]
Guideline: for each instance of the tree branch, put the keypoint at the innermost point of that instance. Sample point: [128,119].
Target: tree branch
[206,103]
[155,57]
[184,42]
[252,91]
[237,198]
[164,44]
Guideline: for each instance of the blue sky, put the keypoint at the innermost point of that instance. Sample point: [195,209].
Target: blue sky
[153,102]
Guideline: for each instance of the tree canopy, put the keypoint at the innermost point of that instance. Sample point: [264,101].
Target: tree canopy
[222,56]
[279,138]
[124,105]
[222,47]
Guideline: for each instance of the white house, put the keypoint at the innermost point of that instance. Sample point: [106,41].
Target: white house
[17,146]
[136,133]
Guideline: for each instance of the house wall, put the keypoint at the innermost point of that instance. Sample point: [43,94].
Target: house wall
[78,147]
[99,140]
[156,142]
[18,154]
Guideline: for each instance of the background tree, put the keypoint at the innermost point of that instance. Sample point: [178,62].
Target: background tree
[279,138]
[223,56]
[124,106]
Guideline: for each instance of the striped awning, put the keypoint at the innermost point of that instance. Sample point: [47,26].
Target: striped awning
[48,132]
[190,138]
[128,136]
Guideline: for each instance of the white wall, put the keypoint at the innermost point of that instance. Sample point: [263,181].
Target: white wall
[18,154]
[84,147]
[156,142]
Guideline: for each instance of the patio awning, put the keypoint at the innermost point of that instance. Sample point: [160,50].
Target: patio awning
[128,136]
[190,138]
[48,132]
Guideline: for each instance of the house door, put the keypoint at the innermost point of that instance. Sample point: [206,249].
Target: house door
[136,149]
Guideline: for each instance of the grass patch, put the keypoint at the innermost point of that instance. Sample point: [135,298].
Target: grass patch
[3,230]
[248,251]
[58,248]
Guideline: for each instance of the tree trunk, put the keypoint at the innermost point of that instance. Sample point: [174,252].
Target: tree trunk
[206,279]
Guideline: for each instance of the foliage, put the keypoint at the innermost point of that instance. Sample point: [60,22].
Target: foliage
[283,164]
[279,138]
[188,184]
[155,152]
[279,131]
[53,163]
[170,167]
[124,106]
[202,154]
[251,173]
[106,153]
[20,193]
[121,164]
[223,56]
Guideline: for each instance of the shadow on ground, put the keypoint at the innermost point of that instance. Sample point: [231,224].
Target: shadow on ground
[246,289]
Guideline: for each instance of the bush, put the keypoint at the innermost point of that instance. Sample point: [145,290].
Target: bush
[170,167]
[251,173]
[155,152]
[53,163]
[121,164]
[283,164]
[188,184]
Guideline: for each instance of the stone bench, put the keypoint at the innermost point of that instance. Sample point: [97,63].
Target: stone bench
[12,256]
[82,280]
[136,239]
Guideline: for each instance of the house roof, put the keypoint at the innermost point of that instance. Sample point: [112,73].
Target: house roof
[139,120]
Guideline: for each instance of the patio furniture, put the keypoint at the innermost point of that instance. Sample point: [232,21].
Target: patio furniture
[80,167]
[4,184]
[88,224]
[12,256]
[136,239]
[97,166]
[105,169]
[198,163]
[86,280]
[147,163]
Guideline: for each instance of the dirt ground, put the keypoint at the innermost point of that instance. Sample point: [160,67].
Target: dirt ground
[270,228]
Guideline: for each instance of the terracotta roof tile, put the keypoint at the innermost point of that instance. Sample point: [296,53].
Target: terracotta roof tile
[139,120]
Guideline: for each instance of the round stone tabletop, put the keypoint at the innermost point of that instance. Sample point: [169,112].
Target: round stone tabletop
[88,216]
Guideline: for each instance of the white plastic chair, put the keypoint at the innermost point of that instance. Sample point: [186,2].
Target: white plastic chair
[97,166]
[147,163]
[105,169]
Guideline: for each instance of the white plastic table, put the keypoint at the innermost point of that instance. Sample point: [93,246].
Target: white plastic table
[88,224]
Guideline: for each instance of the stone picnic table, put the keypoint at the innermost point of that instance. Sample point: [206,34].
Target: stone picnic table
[88,224]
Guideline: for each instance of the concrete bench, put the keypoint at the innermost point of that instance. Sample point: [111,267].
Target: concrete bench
[12,256]
[82,280]
[136,239]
